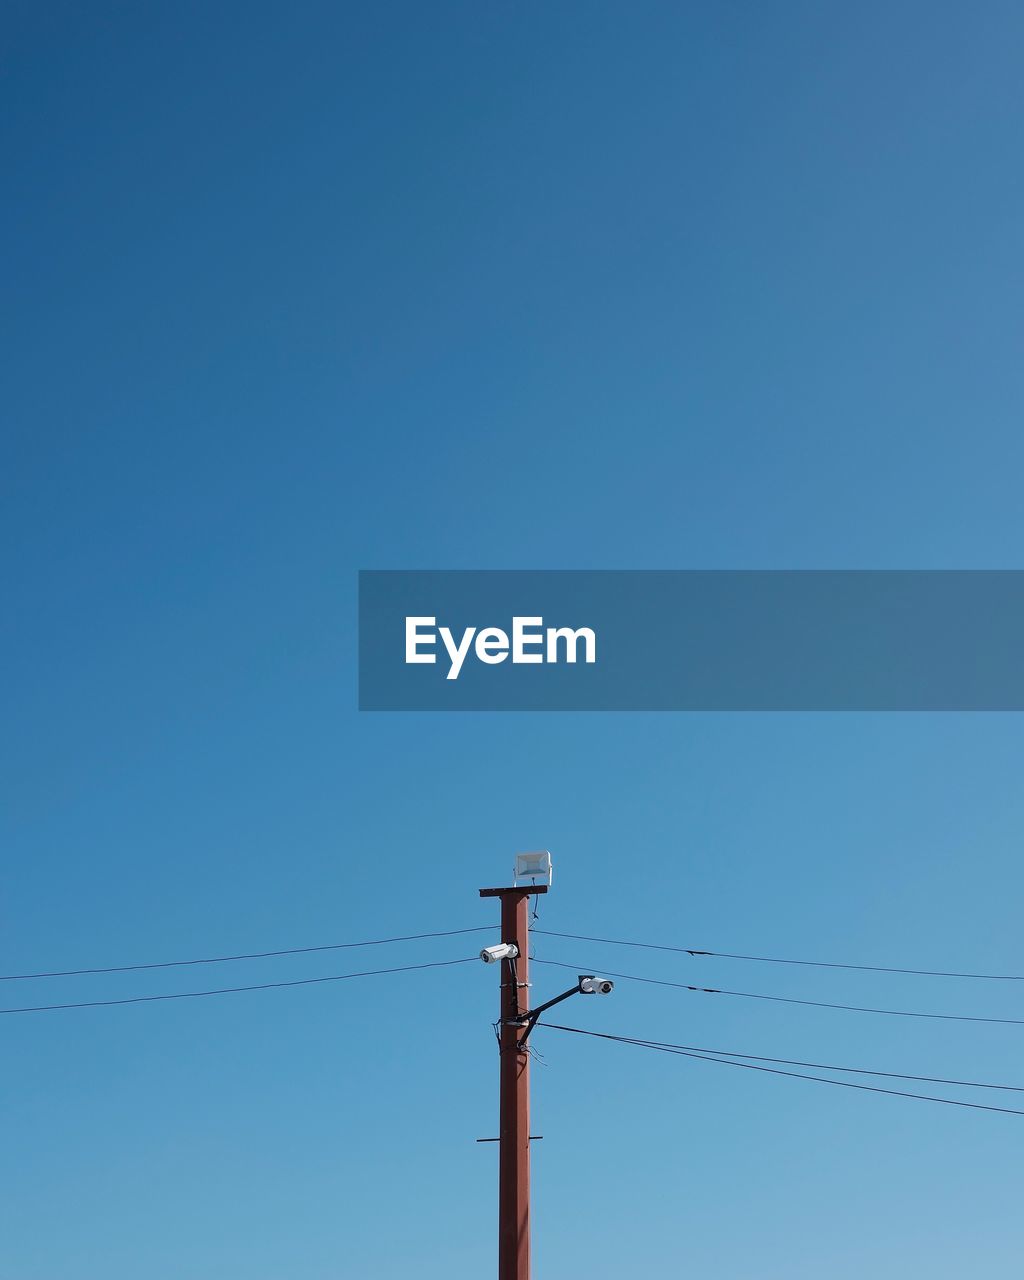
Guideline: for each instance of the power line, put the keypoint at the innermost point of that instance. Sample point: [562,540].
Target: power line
[251,955]
[451,933]
[815,1004]
[816,964]
[795,1075]
[797,1062]
[223,991]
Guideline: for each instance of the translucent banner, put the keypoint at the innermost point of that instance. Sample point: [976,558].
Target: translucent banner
[690,640]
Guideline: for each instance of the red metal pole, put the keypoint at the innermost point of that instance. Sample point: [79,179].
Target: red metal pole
[514,1121]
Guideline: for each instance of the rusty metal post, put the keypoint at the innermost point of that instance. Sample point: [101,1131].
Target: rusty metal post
[514,1089]
[514,1120]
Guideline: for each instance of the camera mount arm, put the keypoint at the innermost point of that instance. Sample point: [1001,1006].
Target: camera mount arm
[529,1019]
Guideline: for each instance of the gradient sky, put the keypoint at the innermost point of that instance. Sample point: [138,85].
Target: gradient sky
[297,290]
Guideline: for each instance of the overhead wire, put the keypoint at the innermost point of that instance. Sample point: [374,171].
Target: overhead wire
[223,991]
[799,1062]
[796,1075]
[815,1004]
[817,964]
[248,955]
[449,933]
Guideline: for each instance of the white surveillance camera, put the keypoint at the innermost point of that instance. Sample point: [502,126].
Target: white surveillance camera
[503,951]
[591,986]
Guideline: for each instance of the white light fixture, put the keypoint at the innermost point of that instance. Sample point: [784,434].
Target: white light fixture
[533,868]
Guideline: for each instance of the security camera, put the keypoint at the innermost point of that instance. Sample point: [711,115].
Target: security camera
[591,986]
[503,951]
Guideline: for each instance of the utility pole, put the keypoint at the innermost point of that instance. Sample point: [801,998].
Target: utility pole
[515,1025]
[514,1085]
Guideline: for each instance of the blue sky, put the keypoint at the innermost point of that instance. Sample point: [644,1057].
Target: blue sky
[298,290]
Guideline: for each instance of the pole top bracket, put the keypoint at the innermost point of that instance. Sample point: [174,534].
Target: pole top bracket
[523,889]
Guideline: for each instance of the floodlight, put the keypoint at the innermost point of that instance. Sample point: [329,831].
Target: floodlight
[535,868]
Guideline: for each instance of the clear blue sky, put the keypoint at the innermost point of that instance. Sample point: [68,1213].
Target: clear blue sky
[293,290]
